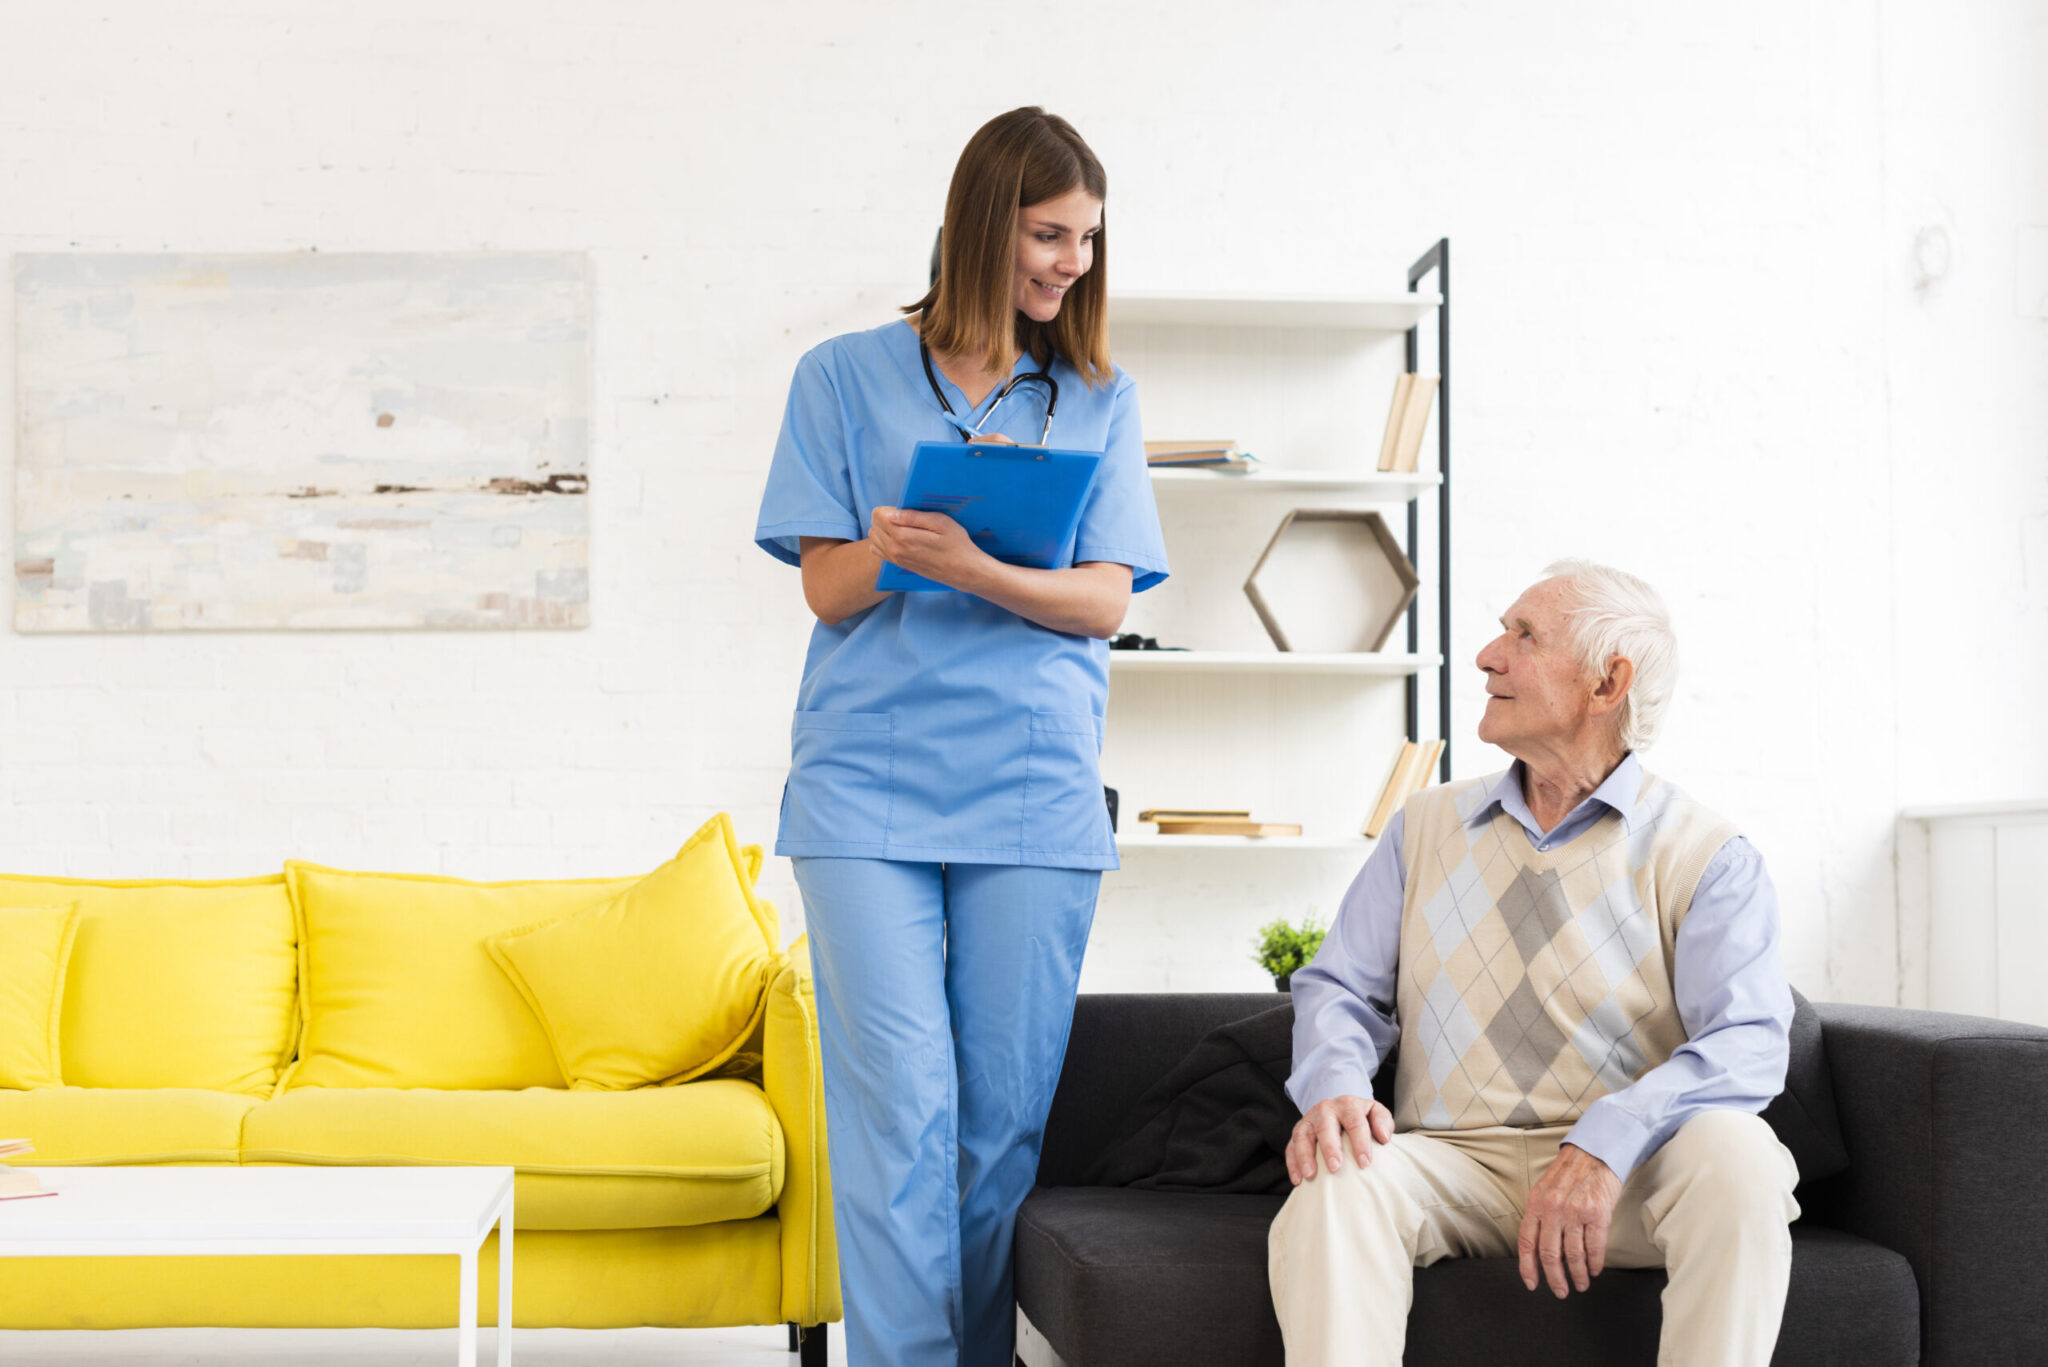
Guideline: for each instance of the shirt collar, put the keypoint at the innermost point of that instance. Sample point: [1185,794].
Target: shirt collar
[1618,792]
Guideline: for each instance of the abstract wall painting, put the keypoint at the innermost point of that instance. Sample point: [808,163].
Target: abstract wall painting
[302,440]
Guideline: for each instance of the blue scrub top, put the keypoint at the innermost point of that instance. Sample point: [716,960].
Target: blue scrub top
[936,726]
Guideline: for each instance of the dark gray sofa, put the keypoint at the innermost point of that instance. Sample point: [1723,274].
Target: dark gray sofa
[1932,1246]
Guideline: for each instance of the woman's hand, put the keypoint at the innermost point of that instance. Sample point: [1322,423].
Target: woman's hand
[930,544]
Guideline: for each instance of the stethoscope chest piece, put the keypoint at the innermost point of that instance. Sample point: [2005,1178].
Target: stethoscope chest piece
[1044,377]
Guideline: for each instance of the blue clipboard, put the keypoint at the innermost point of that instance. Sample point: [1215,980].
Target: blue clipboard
[1021,504]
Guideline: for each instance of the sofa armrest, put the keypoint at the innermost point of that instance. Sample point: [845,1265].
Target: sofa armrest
[794,1079]
[1943,1117]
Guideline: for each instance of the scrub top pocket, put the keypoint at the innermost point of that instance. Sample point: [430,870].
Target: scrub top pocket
[846,763]
[1064,808]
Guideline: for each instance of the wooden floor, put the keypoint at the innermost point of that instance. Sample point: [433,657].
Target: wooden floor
[397,1348]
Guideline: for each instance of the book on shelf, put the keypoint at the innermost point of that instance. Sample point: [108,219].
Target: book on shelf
[1197,455]
[1411,774]
[1228,827]
[1407,420]
[1193,813]
[1157,451]
[1391,441]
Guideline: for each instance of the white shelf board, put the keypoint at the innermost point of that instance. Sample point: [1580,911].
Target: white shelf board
[1374,485]
[1376,313]
[1154,841]
[1267,662]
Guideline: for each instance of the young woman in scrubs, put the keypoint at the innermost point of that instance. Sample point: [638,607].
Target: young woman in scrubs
[944,809]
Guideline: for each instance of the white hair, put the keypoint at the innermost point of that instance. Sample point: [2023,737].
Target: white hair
[1612,614]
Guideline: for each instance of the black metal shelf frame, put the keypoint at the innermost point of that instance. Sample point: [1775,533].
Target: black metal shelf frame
[1437,259]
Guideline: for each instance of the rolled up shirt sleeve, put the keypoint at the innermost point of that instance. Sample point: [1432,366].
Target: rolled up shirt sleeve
[1344,1000]
[1735,1003]
[809,490]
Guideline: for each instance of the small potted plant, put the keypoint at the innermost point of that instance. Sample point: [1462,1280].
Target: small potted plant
[1283,948]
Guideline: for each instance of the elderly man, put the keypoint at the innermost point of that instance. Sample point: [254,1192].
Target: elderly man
[1580,964]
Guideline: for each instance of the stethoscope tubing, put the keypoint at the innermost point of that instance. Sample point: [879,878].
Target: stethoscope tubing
[1052,397]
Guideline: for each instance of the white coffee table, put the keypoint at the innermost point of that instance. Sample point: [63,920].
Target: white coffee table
[162,1211]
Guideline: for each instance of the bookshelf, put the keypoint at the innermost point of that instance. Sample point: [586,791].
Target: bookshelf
[1375,485]
[1304,383]
[1265,662]
[1382,313]
[1356,844]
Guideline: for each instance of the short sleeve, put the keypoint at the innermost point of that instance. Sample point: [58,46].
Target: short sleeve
[1120,522]
[809,490]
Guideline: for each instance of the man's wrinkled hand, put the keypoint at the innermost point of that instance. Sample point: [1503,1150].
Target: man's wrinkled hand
[1322,1132]
[1565,1226]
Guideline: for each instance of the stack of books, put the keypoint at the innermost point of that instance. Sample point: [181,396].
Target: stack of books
[14,1183]
[1200,821]
[1197,455]
[1401,448]
[1412,770]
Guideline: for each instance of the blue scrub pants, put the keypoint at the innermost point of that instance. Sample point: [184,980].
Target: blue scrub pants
[945,994]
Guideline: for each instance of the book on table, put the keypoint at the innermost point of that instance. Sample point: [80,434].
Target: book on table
[1194,813]
[16,1183]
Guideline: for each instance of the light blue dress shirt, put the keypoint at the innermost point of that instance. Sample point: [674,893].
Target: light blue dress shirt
[937,726]
[1728,981]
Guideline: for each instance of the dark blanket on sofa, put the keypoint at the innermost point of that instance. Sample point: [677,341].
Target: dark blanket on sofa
[1220,1119]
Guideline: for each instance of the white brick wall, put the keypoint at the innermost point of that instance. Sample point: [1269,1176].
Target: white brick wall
[1689,339]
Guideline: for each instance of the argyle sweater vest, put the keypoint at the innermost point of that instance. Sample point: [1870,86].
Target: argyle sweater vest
[1532,982]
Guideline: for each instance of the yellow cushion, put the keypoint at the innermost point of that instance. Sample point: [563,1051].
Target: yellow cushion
[35,944]
[693,1278]
[398,989]
[649,1158]
[661,983]
[112,1125]
[174,982]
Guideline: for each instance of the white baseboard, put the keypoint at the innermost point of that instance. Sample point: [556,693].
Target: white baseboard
[1032,1347]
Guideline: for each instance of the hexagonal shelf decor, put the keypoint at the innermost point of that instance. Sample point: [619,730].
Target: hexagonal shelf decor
[1337,579]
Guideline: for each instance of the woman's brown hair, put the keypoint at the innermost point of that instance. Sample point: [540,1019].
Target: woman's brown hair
[1026,156]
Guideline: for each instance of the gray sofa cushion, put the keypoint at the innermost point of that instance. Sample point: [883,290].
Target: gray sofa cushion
[1120,1278]
[1803,1116]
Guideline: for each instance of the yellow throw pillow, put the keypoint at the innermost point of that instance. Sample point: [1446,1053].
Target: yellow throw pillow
[174,982]
[663,982]
[397,989]
[35,946]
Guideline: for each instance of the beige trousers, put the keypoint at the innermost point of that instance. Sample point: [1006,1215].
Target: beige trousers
[1711,1207]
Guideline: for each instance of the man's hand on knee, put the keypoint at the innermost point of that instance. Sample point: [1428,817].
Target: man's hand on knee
[1565,1225]
[1325,1128]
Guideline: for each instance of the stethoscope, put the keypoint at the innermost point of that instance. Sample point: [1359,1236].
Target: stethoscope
[1052,397]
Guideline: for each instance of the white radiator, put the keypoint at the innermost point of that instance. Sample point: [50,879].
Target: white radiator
[1973,910]
[1032,1347]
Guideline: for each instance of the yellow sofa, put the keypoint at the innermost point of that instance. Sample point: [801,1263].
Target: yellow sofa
[269,1021]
